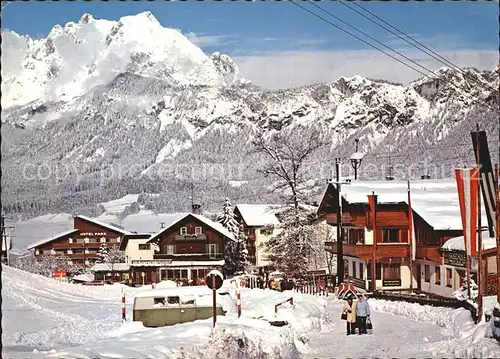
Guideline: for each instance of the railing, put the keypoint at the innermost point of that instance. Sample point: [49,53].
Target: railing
[190,237]
[190,256]
[427,300]
[366,250]
[83,244]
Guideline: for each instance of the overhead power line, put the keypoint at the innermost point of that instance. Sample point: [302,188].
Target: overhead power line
[359,38]
[416,44]
[374,39]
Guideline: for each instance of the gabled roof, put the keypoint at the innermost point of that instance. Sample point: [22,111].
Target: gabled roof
[53,238]
[133,236]
[214,225]
[103,224]
[258,215]
[436,201]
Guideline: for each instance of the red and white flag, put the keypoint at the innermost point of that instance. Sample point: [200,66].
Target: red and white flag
[468,187]
[372,203]
[411,228]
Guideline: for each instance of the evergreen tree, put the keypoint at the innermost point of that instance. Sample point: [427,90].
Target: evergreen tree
[235,252]
[227,218]
[102,253]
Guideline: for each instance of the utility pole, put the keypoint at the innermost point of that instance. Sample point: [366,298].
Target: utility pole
[5,245]
[340,249]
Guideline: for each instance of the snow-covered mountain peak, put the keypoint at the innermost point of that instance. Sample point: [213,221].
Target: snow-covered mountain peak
[79,56]
[86,18]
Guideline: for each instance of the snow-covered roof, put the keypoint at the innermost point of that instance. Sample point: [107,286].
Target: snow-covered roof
[108,267]
[436,201]
[53,238]
[103,224]
[259,215]
[457,243]
[214,225]
[163,263]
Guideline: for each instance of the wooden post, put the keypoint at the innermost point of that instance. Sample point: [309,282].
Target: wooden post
[497,212]
[479,233]
[214,301]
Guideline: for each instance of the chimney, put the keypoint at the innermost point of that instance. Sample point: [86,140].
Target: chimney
[196,208]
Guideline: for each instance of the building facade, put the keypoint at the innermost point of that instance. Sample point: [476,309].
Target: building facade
[434,226]
[80,244]
[184,251]
[260,224]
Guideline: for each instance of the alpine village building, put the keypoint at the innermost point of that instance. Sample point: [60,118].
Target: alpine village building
[260,223]
[438,268]
[186,249]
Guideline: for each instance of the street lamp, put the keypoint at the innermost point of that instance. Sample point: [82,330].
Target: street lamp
[356,159]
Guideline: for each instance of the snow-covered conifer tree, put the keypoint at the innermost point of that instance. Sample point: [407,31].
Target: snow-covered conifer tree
[235,252]
[102,253]
[227,218]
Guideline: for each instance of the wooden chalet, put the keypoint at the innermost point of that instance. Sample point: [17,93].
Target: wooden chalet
[80,244]
[436,218]
[184,250]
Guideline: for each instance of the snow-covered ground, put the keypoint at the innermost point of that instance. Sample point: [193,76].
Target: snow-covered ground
[46,318]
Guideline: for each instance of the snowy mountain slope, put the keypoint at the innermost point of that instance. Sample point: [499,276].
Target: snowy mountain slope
[169,119]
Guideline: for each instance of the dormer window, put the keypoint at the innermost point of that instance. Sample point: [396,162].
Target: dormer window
[198,230]
[184,231]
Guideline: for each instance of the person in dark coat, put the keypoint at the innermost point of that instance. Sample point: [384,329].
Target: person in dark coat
[362,313]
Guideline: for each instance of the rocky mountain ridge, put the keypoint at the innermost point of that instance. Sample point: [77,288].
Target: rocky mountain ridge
[168,119]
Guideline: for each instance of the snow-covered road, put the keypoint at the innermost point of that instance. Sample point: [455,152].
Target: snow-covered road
[393,336]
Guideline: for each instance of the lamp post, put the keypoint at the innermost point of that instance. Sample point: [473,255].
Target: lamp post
[356,159]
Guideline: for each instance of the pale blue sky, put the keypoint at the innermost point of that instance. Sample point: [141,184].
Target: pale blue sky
[246,30]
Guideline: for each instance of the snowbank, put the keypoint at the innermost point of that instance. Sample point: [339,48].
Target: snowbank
[471,341]
[51,319]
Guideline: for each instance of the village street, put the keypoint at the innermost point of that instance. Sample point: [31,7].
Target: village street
[393,336]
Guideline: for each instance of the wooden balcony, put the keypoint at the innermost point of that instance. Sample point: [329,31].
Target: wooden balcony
[429,252]
[190,256]
[365,251]
[191,237]
[83,245]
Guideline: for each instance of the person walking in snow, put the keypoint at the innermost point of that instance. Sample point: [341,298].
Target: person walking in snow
[362,313]
[350,315]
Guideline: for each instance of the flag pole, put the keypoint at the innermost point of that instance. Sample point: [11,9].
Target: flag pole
[479,233]
[410,236]
[497,212]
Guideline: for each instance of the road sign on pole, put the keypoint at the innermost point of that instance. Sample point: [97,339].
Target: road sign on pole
[214,281]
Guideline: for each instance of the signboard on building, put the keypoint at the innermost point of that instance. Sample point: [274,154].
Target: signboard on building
[60,274]
[92,234]
[358,283]
[455,259]
[391,283]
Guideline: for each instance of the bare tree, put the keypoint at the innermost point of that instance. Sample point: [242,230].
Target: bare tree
[43,265]
[113,257]
[287,153]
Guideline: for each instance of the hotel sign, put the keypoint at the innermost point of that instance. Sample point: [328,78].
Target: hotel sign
[92,234]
